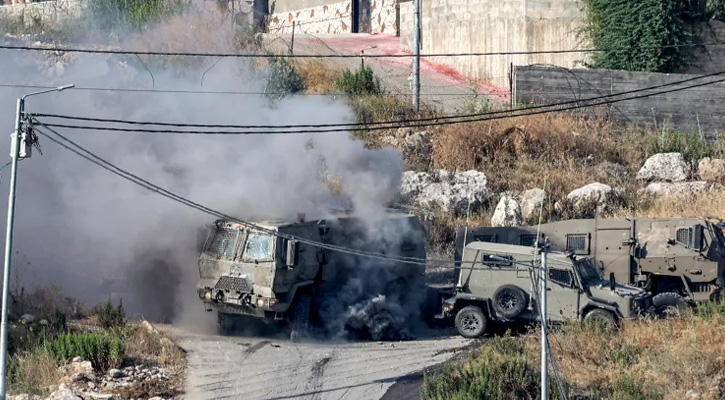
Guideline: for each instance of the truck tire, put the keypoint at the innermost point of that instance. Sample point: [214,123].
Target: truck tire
[604,318]
[224,323]
[300,321]
[669,304]
[471,322]
[509,301]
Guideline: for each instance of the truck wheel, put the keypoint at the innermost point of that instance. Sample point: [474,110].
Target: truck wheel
[669,304]
[471,322]
[300,323]
[509,301]
[603,318]
[224,323]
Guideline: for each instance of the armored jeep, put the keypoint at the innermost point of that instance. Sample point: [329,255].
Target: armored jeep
[283,277]
[676,259]
[497,283]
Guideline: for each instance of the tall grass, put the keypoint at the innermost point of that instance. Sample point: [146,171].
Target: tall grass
[104,351]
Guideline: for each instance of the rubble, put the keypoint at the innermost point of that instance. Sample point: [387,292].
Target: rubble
[450,191]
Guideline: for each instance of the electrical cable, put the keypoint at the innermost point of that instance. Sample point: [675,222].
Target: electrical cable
[510,114]
[390,122]
[253,55]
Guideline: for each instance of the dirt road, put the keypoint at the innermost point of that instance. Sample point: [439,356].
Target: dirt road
[267,367]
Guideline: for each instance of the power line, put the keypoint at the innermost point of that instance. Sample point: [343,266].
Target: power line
[401,122]
[411,124]
[178,91]
[254,55]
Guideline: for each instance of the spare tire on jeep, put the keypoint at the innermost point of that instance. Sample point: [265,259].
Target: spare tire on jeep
[509,301]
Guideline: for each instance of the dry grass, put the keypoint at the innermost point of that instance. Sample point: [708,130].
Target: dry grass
[319,75]
[149,344]
[668,358]
[33,373]
[700,206]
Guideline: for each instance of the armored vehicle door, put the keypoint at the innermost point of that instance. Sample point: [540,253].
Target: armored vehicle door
[614,248]
[562,300]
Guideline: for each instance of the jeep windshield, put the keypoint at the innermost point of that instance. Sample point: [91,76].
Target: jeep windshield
[223,242]
[717,248]
[587,270]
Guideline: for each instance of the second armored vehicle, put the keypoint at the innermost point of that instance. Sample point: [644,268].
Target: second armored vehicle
[498,282]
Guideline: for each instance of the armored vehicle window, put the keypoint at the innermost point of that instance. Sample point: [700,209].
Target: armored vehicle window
[223,243]
[577,243]
[259,247]
[484,238]
[527,240]
[561,276]
[497,260]
[683,236]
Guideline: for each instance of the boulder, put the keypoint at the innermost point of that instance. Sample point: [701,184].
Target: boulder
[27,318]
[451,192]
[597,192]
[711,169]
[507,212]
[531,201]
[115,373]
[664,167]
[82,368]
[679,189]
[63,393]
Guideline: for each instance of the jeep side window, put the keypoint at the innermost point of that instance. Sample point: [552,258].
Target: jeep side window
[561,276]
[499,261]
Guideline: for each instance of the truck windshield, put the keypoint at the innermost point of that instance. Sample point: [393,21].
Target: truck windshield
[259,247]
[717,249]
[223,242]
[587,270]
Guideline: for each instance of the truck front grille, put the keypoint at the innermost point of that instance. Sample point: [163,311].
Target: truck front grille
[235,283]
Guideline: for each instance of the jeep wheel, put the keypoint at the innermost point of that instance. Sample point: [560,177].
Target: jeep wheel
[602,318]
[509,301]
[669,304]
[471,322]
[300,321]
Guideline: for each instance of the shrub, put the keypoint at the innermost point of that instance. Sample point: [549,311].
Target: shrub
[646,26]
[104,351]
[123,16]
[146,342]
[32,373]
[282,78]
[693,146]
[110,316]
[26,338]
[362,81]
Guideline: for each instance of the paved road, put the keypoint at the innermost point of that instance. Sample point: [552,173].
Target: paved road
[268,367]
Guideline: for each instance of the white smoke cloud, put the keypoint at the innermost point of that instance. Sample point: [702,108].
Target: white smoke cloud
[79,225]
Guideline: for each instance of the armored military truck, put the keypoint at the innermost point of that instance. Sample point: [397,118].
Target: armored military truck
[258,274]
[679,260]
[498,283]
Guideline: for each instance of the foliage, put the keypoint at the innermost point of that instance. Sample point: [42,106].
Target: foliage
[692,146]
[124,16]
[502,370]
[31,373]
[283,78]
[110,316]
[25,338]
[361,81]
[103,350]
[647,26]
[476,104]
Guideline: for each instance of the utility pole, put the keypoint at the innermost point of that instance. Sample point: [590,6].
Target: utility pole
[543,274]
[18,149]
[416,62]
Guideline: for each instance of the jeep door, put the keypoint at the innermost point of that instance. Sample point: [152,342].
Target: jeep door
[563,294]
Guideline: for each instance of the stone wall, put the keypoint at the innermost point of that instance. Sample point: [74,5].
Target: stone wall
[47,12]
[383,14]
[697,109]
[326,18]
[486,26]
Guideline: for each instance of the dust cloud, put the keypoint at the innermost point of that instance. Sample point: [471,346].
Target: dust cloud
[101,237]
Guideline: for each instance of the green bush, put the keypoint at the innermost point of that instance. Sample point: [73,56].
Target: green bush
[646,25]
[501,371]
[692,146]
[362,81]
[110,316]
[121,16]
[26,338]
[104,351]
[283,78]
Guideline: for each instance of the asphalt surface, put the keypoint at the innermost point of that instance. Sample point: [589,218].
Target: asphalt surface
[272,367]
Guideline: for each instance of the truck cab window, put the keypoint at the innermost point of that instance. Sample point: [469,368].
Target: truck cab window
[259,247]
[223,243]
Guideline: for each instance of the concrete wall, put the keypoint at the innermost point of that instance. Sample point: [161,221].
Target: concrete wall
[485,26]
[327,18]
[700,109]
